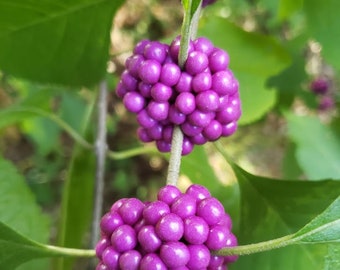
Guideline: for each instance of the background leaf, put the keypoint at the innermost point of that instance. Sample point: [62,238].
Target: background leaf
[317,147]
[19,210]
[323,20]
[273,208]
[73,39]
[253,58]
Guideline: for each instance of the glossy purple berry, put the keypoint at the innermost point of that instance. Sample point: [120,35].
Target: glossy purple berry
[218,60]
[229,114]
[211,210]
[101,246]
[174,254]
[201,82]
[223,83]
[140,46]
[198,139]
[145,120]
[185,103]
[231,242]
[133,63]
[161,92]
[207,101]
[130,260]
[110,258]
[229,129]
[199,257]
[190,130]
[154,211]
[109,222]
[143,135]
[130,82]
[198,192]
[175,116]
[200,119]
[170,74]
[170,227]
[148,239]
[196,62]
[216,262]
[187,146]
[158,110]
[150,71]
[124,238]
[196,230]
[155,51]
[184,82]
[184,206]
[168,194]
[204,45]
[145,89]
[121,90]
[213,131]
[156,132]
[217,237]
[134,102]
[152,261]
[131,211]
[101,266]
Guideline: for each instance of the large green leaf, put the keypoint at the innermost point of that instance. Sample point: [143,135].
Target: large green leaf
[317,146]
[274,208]
[19,210]
[254,58]
[323,24]
[16,249]
[63,42]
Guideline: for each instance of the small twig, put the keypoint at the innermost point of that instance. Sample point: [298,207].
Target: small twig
[101,149]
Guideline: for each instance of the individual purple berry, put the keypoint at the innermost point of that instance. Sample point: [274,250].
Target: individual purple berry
[158,110]
[133,63]
[130,82]
[156,132]
[167,133]
[118,204]
[201,82]
[131,211]
[170,74]
[109,222]
[175,46]
[196,62]
[101,266]
[101,246]
[143,135]
[207,101]
[154,211]
[144,119]
[150,71]
[190,130]
[198,139]
[185,103]
[200,119]
[218,60]
[217,237]
[213,131]
[229,114]
[320,86]
[152,261]
[199,257]
[226,221]
[196,230]
[155,51]
[174,254]
[223,83]
[121,90]
[211,210]
[184,82]
[145,89]
[184,206]
[170,227]
[130,260]
[187,146]
[203,45]
[124,238]
[168,194]
[161,92]
[231,242]
[198,192]
[229,129]
[110,258]
[175,116]
[134,102]
[216,262]
[148,239]
[140,46]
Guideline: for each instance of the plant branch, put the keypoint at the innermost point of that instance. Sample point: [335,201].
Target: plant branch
[175,156]
[100,151]
[69,252]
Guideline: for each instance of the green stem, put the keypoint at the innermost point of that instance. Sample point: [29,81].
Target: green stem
[70,252]
[131,152]
[258,247]
[175,156]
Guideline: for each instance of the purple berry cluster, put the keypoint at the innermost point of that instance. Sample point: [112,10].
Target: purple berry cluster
[177,231]
[202,97]
[321,87]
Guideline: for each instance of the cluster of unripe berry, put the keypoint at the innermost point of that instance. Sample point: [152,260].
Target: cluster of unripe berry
[202,97]
[177,231]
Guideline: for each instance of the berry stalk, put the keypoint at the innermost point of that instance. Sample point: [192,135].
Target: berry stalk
[188,32]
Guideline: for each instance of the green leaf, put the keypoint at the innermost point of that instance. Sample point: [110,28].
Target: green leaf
[323,20]
[288,8]
[15,249]
[318,146]
[19,210]
[254,58]
[324,228]
[62,42]
[273,208]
